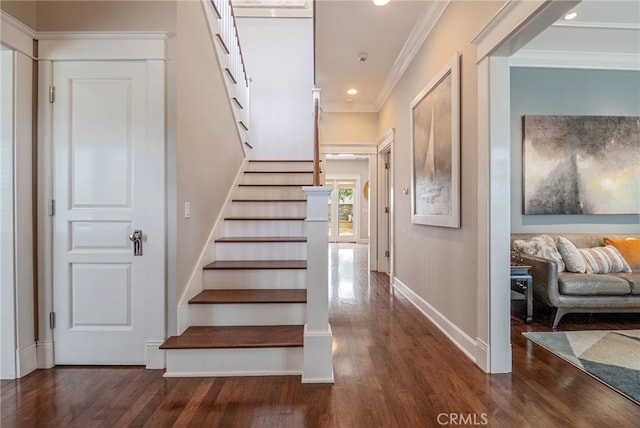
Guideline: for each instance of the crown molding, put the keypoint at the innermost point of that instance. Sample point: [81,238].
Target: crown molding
[348,108]
[16,35]
[411,47]
[101,35]
[580,60]
[599,25]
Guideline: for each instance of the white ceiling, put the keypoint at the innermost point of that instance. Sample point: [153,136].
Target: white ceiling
[391,34]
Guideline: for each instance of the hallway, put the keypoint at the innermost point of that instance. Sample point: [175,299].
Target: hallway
[393,368]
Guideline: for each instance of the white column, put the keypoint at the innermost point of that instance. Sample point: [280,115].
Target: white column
[318,339]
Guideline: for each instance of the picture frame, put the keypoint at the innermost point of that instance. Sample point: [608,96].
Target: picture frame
[580,165]
[435,149]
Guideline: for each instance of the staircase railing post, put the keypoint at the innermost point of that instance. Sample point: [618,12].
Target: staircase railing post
[318,338]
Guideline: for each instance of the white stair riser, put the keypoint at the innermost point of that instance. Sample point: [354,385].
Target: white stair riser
[248,314]
[268,209]
[305,178]
[280,166]
[261,250]
[233,362]
[269,192]
[262,228]
[255,279]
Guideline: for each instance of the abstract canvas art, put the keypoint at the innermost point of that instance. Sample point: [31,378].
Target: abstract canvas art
[436,150]
[581,165]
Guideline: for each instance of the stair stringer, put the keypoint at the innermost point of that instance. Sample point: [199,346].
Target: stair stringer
[196,280]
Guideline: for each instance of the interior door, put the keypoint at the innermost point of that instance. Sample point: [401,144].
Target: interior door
[108,183]
[343,211]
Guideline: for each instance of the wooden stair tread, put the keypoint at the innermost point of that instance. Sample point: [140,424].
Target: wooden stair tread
[250,296]
[209,337]
[257,239]
[264,218]
[256,264]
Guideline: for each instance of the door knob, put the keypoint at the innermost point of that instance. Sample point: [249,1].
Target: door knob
[136,238]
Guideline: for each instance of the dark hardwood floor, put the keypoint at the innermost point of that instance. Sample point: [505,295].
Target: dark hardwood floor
[392,369]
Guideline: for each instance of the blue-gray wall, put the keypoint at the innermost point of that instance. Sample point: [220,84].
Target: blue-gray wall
[554,91]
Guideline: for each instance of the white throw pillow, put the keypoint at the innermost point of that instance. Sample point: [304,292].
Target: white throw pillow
[541,246]
[573,260]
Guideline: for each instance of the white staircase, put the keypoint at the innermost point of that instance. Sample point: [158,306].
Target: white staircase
[249,318]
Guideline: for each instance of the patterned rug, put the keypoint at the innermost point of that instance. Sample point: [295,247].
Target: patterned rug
[612,357]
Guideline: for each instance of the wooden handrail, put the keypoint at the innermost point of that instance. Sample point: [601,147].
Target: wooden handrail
[316,144]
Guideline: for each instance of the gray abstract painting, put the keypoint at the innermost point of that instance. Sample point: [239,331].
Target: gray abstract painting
[581,165]
[432,151]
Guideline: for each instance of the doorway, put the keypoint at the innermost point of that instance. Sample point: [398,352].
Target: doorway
[343,213]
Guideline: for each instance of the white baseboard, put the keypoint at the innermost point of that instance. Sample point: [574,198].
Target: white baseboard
[27,360]
[459,338]
[44,351]
[153,356]
[482,355]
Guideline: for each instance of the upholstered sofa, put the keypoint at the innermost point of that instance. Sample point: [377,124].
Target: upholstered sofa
[569,292]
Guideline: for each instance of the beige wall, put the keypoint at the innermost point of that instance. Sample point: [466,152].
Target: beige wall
[349,128]
[437,263]
[208,149]
[159,15]
[23,11]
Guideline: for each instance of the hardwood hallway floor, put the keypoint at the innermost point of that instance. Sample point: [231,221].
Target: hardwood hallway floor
[393,368]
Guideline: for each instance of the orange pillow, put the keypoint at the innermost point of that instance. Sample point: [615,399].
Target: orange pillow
[630,250]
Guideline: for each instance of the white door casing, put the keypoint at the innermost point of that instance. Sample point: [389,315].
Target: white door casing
[149,51]
[106,184]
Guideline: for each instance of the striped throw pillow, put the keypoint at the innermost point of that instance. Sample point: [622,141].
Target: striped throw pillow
[605,259]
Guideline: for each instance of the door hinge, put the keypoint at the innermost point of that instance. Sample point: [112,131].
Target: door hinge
[386,210]
[386,165]
[52,93]
[387,253]
[52,320]
[51,207]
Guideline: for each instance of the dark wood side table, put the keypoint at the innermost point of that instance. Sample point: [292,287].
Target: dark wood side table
[522,282]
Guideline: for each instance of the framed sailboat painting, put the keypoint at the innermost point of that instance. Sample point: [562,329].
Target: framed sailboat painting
[435,154]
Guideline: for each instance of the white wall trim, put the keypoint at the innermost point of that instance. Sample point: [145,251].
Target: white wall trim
[27,360]
[513,26]
[459,338]
[16,35]
[153,356]
[599,25]
[414,43]
[516,23]
[44,354]
[67,46]
[581,60]
[196,279]
[102,35]
[385,145]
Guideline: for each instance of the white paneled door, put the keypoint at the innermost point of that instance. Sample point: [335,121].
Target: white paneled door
[108,183]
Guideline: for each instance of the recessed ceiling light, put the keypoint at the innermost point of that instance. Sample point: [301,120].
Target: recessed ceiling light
[380,2]
[570,16]
[352,91]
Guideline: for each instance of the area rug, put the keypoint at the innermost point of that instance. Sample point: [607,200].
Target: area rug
[612,357]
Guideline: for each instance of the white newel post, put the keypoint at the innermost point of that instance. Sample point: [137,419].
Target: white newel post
[318,354]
